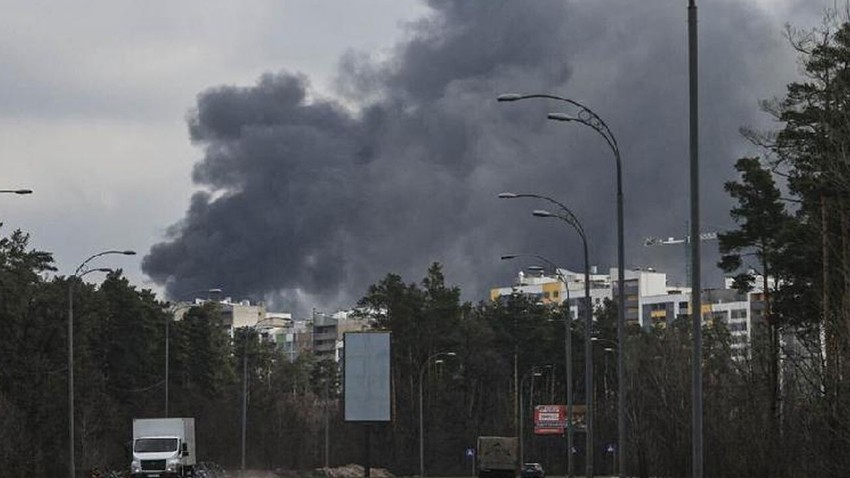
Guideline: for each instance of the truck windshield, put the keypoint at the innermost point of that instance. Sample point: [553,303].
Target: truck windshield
[154,445]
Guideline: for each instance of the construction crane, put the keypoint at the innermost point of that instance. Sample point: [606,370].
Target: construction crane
[672,241]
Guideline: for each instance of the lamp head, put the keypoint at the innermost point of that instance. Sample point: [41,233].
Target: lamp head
[535,268]
[451,354]
[560,117]
[509,256]
[507,195]
[79,274]
[128,253]
[541,213]
[509,97]
[22,191]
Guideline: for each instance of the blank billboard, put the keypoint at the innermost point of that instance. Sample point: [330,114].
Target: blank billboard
[367,376]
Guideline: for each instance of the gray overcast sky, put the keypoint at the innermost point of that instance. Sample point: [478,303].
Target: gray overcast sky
[95,97]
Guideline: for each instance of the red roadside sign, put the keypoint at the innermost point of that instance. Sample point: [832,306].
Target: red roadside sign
[550,419]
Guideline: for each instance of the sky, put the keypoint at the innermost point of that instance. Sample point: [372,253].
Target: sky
[297,151]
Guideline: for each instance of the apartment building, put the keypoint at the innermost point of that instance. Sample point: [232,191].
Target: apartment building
[321,334]
[240,314]
[570,286]
[293,337]
[329,330]
[650,302]
[566,286]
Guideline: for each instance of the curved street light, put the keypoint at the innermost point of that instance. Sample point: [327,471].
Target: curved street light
[570,218]
[171,311]
[587,117]
[422,368]
[568,352]
[81,271]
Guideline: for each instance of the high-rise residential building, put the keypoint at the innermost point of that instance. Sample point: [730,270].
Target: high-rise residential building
[650,302]
[569,285]
[329,330]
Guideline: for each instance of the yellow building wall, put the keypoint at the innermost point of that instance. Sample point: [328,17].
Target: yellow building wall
[553,289]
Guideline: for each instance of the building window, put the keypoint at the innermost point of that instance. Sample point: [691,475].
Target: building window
[555,294]
[719,315]
[739,313]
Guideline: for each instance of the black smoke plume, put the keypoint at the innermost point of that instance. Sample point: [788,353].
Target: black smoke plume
[306,200]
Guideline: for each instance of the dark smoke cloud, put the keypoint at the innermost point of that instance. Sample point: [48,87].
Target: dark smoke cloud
[307,201]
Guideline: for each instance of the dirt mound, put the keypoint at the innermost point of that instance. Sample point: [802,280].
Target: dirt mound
[352,471]
[346,471]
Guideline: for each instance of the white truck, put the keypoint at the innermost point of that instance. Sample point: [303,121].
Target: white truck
[163,447]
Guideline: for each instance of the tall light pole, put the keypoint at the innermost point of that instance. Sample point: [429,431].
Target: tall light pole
[608,347]
[587,117]
[696,286]
[168,318]
[81,271]
[421,414]
[570,219]
[567,216]
[568,354]
[534,371]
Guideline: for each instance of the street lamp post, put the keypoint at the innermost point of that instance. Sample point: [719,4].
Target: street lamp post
[571,219]
[568,355]
[608,347]
[587,117]
[421,415]
[534,371]
[171,312]
[79,273]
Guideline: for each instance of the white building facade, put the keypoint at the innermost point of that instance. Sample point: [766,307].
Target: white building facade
[650,302]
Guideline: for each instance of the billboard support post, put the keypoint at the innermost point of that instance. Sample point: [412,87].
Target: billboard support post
[366,384]
[367,461]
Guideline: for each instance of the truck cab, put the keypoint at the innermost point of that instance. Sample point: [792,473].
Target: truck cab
[163,448]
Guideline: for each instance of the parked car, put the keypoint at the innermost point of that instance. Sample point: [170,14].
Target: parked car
[532,470]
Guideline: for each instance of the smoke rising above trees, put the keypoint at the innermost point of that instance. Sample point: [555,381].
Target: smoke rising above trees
[306,198]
